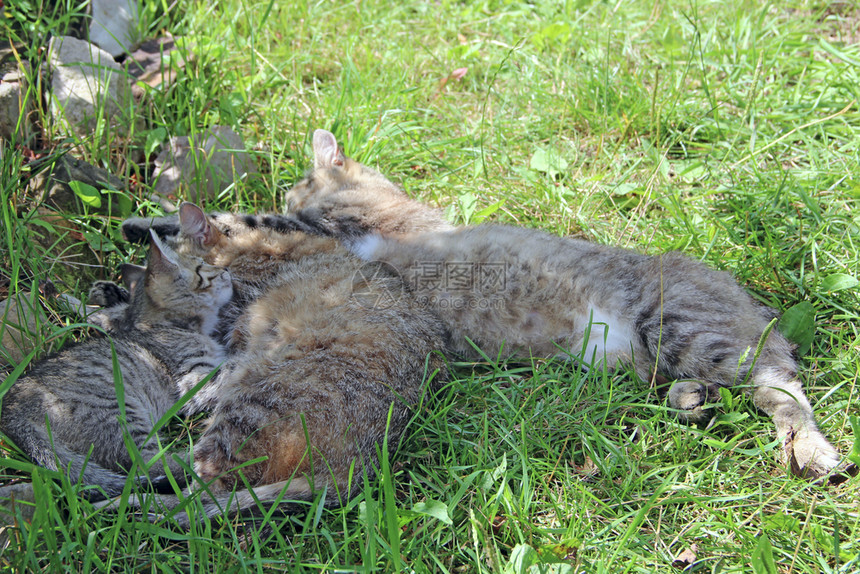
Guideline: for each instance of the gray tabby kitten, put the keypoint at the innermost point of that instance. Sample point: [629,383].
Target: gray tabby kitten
[328,357]
[163,347]
[526,292]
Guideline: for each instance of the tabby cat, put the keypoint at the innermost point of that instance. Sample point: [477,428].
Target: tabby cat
[65,412]
[526,292]
[327,358]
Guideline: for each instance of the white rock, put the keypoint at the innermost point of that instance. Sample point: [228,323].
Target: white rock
[202,166]
[114,25]
[86,84]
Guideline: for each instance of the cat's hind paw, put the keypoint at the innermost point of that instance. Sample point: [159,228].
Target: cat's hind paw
[809,454]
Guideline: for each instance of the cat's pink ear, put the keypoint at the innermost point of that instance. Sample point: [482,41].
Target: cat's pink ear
[195,225]
[132,275]
[326,152]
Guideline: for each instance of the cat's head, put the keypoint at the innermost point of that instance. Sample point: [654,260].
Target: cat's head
[218,238]
[340,192]
[254,248]
[192,232]
[178,286]
[347,199]
[337,180]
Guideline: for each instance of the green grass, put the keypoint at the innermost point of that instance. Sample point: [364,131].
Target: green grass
[729,130]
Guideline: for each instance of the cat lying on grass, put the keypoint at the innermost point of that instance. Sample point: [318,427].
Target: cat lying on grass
[327,360]
[530,294]
[522,292]
[65,414]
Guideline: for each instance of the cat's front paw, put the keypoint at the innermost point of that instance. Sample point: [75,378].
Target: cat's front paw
[809,454]
[689,398]
[136,229]
[107,294]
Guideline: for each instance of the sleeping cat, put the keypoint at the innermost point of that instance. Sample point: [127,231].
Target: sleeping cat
[328,200]
[327,359]
[163,349]
[526,292]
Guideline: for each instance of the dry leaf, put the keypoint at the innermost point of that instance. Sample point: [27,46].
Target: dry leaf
[588,470]
[686,558]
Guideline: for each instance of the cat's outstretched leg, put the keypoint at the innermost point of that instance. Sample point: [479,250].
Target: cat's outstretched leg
[806,450]
[779,393]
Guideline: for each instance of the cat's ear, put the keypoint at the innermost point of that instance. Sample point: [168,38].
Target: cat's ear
[326,152]
[132,275]
[161,257]
[195,225]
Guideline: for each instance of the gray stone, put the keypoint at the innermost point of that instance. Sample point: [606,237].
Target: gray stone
[201,167]
[17,501]
[114,25]
[15,107]
[20,326]
[86,84]
[14,111]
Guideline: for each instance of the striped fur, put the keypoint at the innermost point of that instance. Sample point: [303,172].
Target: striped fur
[559,296]
[163,348]
[325,366]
